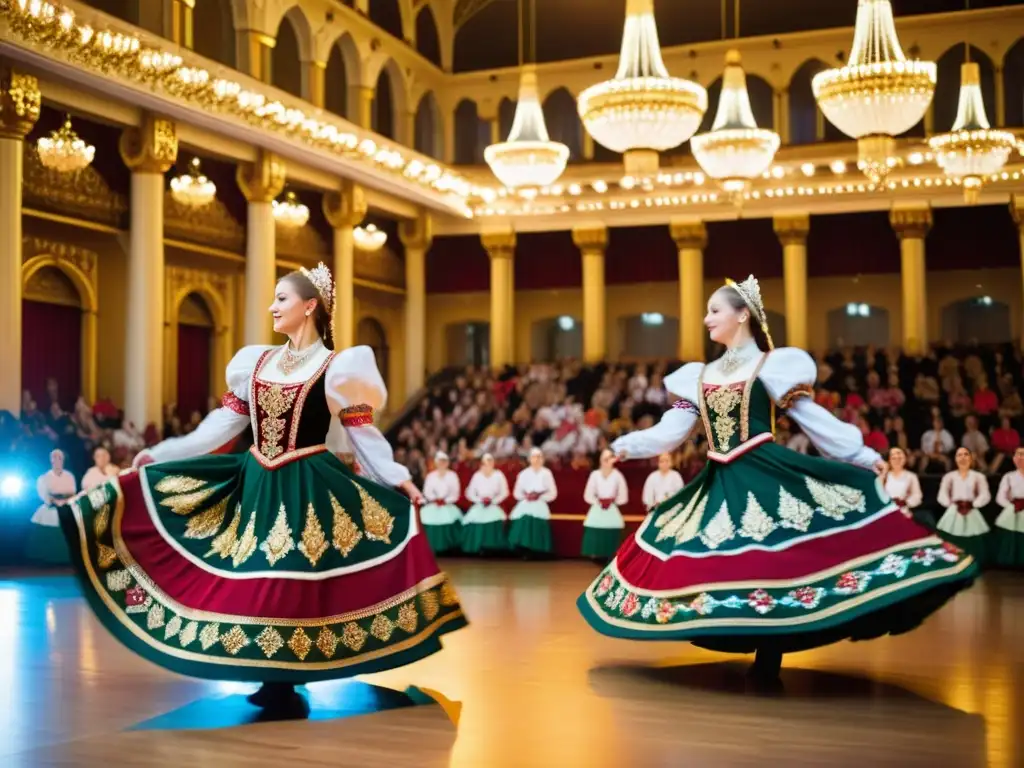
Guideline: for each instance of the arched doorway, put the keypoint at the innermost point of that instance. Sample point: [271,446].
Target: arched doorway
[213,31]
[563,122]
[386,111]
[195,356]
[557,338]
[471,134]
[428,43]
[51,337]
[427,123]
[342,69]
[982,320]
[858,325]
[651,335]
[286,57]
[469,344]
[371,332]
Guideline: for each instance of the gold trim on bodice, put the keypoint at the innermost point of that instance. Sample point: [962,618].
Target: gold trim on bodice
[723,400]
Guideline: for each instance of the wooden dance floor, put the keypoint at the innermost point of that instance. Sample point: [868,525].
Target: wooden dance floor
[528,684]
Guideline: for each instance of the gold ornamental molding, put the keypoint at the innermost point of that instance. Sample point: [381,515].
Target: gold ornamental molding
[212,225]
[20,102]
[84,193]
[302,243]
[79,264]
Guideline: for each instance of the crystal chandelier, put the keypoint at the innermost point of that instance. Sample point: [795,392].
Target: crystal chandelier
[972,149]
[193,189]
[290,212]
[64,151]
[369,238]
[879,94]
[735,150]
[642,110]
[529,159]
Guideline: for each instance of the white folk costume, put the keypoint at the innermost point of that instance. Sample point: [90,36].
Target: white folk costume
[46,544]
[1009,533]
[963,498]
[279,564]
[603,525]
[441,518]
[767,549]
[535,489]
[905,490]
[483,526]
[660,487]
[95,476]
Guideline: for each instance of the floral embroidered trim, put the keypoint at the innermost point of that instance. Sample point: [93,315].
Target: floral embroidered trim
[300,402]
[233,402]
[686,405]
[356,416]
[621,602]
[287,457]
[800,390]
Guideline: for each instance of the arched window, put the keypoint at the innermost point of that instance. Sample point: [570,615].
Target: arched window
[469,343]
[213,31]
[651,335]
[981,319]
[858,324]
[557,338]
[195,356]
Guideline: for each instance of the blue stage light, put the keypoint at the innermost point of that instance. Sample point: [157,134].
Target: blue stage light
[11,487]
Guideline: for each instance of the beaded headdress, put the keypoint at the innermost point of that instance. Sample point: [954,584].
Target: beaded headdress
[323,282]
[750,291]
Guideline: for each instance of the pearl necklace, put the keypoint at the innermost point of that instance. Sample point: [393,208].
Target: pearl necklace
[289,360]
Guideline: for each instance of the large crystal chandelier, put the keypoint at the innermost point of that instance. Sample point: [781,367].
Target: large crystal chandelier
[972,149]
[529,158]
[291,212]
[642,110]
[193,189]
[879,94]
[64,151]
[735,150]
[369,238]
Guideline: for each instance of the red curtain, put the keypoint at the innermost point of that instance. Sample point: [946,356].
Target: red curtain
[51,347]
[194,346]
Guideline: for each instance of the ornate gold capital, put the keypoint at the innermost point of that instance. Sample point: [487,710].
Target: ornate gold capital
[152,147]
[911,223]
[499,244]
[19,102]
[417,234]
[263,180]
[688,234]
[792,229]
[345,208]
[590,238]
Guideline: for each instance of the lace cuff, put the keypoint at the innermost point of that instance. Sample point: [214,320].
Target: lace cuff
[800,390]
[233,402]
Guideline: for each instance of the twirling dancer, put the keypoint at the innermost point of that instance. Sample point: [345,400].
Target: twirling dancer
[768,550]
[280,565]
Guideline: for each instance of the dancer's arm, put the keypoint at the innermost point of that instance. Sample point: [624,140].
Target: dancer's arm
[355,393]
[220,426]
[648,495]
[945,498]
[551,490]
[519,489]
[622,494]
[1003,494]
[984,495]
[788,375]
[914,495]
[675,425]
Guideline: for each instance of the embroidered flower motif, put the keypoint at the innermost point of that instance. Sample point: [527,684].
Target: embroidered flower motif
[604,585]
[807,597]
[923,557]
[951,552]
[702,604]
[135,596]
[630,605]
[664,612]
[761,601]
[649,608]
[852,583]
[895,565]
[615,598]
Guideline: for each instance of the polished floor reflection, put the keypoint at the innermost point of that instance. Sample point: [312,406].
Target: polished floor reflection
[529,684]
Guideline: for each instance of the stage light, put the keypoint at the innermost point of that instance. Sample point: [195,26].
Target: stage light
[11,487]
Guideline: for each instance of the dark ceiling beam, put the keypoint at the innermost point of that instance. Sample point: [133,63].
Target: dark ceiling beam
[466,9]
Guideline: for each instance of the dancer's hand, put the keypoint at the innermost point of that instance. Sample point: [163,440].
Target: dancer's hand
[414,494]
[881,468]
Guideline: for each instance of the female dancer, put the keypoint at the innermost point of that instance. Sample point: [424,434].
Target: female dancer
[901,484]
[279,565]
[767,550]
[606,492]
[442,520]
[483,527]
[662,484]
[531,518]
[963,493]
[54,488]
[1010,523]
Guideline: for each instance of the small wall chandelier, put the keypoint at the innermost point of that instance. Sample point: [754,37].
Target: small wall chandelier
[290,212]
[193,189]
[369,238]
[879,94]
[64,151]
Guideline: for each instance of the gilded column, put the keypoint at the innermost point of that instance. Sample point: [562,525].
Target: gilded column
[912,225]
[691,237]
[148,150]
[254,53]
[260,182]
[182,32]
[792,232]
[344,210]
[19,110]
[592,240]
[782,115]
[1000,120]
[366,95]
[500,247]
[314,82]
[1017,210]
[416,235]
